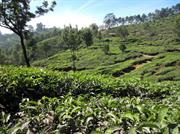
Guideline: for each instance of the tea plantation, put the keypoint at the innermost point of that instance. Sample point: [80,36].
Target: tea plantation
[112,85]
[41,101]
[153,57]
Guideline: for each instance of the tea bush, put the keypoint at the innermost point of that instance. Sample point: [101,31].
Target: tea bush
[98,114]
[41,101]
[32,83]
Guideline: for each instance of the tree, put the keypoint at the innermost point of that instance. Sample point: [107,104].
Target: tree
[40,27]
[14,15]
[94,28]
[143,18]
[106,49]
[119,21]
[123,32]
[99,35]
[31,28]
[46,48]
[122,46]
[87,37]
[109,20]
[71,37]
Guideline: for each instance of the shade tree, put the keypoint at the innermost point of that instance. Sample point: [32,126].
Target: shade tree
[72,39]
[87,37]
[15,14]
[109,20]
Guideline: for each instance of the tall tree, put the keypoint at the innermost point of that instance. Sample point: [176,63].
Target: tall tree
[30,28]
[143,18]
[123,32]
[99,35]
[14,15]
[87,37]
[71,37]
[94,28]
[109,20]
[40,27]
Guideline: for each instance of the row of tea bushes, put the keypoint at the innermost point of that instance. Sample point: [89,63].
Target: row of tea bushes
[18,83]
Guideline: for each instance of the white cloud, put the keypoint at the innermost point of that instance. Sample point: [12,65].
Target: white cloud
[66,18]
[89,3]
[61,19]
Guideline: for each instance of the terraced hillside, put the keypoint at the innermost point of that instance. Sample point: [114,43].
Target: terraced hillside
[152,53]
[120,78]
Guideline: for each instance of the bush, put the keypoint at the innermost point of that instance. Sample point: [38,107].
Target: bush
[122,47]
[74,102]
[32,83]
[106,49]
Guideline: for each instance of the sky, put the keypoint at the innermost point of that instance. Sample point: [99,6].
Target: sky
[85,12]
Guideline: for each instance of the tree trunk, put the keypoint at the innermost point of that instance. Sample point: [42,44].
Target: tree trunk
[24,51]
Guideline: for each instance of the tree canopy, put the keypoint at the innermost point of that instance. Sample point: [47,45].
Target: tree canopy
[111,20]
[87,36]
[14,15]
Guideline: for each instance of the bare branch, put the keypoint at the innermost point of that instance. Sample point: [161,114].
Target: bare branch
[4,26]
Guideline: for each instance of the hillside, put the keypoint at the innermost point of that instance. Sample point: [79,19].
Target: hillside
[41,101]
[7,40]
[152,54]
[122,77]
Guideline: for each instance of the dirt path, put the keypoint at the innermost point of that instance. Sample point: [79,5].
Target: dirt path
[148,60]
[135,66]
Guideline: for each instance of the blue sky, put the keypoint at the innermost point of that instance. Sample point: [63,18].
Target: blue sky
[85,12]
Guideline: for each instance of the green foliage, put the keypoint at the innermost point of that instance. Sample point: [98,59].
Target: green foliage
[40,27]
[14,15]
[84,103]
[2,57]
[34,83]
[123,32]
[99,35]
[87,37]
[105,49]
[94,28]
[122,46]
[109,20]
[42,101]
[177,27]
[71,37]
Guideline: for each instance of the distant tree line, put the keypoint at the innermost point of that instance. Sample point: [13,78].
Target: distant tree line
[110,20]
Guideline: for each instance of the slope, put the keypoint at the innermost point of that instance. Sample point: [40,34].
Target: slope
[152,53]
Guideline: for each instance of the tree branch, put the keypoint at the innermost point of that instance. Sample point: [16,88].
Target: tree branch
[4,26]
